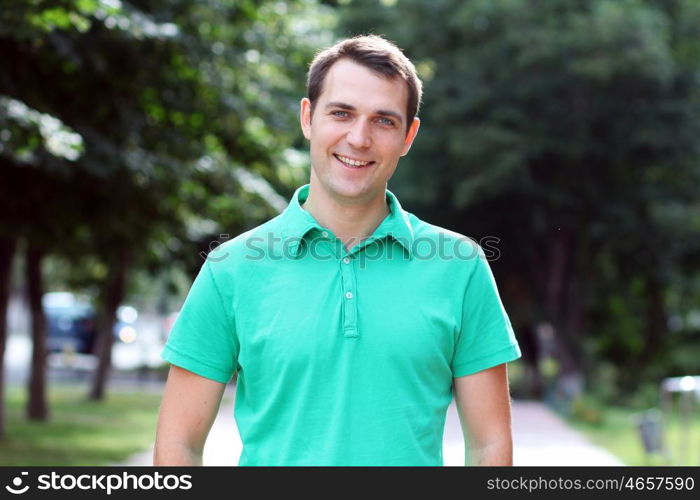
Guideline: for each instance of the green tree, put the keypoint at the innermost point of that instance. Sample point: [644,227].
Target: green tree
[172,104]
[568,130]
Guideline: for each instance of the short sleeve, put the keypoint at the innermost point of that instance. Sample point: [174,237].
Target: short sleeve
[486,338]
[203,339]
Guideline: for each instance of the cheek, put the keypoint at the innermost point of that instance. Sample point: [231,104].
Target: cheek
[393,150]
[327,140]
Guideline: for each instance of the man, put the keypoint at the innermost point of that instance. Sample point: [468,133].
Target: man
[349,322]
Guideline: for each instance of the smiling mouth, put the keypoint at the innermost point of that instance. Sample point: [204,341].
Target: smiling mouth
[350,163]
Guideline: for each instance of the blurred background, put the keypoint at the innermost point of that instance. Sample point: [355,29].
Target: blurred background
[137,136]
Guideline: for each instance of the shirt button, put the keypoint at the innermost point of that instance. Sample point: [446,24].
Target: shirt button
[348,295]
[346,261]
[324,234]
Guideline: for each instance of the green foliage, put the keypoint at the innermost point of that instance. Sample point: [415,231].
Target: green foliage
[587,411]
[568,129]
[165,101]
[171,115]
[30,18]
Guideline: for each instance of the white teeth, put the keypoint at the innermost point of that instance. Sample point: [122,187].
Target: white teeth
[351,162]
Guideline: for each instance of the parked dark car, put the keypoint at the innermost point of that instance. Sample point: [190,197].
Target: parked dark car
[71,323]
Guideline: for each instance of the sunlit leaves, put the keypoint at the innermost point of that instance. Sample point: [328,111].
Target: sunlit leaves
[18,120]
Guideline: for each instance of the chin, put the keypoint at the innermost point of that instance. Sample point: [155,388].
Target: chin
[350,194]
[362,195]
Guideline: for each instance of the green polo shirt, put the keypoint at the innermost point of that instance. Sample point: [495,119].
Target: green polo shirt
[343,357]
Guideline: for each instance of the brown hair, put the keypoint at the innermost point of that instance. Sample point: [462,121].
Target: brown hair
[375,53]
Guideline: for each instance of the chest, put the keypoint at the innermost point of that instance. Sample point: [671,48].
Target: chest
[314,315]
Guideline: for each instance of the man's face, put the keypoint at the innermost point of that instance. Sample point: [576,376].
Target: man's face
[357,132]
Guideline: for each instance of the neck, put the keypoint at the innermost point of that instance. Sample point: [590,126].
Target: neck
[350,222]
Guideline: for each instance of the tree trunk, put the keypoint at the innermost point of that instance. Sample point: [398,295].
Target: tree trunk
[111,296]
[7,251]
[560,296]
[656,322]
[37,409]
[529,344]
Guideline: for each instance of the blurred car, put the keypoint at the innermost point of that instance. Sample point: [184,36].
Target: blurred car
[71,323]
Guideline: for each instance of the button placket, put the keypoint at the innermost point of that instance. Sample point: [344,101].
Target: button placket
[347,270]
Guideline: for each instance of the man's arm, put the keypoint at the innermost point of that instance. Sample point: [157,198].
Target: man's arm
[189,407]
[483,402]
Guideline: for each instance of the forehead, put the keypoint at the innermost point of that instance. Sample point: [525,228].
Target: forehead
[363,88]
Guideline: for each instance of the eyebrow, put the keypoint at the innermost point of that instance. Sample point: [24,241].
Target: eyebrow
[350,107]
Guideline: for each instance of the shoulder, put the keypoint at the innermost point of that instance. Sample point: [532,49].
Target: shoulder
[234,255]
[443,242]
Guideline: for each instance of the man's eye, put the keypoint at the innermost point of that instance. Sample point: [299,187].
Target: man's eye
[386,121]
[340,114]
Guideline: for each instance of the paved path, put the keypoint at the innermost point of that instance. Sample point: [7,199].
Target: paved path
[540,438]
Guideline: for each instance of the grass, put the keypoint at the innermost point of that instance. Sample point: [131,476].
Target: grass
[616,430]
[79,432]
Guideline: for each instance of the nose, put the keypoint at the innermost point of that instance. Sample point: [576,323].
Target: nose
[359,135]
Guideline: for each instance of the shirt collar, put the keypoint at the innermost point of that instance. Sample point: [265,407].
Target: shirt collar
[298,222]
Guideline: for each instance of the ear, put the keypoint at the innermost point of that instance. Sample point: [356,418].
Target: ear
[412,131]
[305,117]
